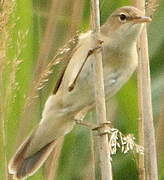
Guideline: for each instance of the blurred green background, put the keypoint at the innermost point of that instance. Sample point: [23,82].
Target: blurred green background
[31,32]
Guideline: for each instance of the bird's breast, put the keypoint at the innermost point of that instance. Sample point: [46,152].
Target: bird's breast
[118,68]
[115,75]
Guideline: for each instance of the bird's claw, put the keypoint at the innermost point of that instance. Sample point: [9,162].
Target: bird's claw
[86,124]
[103,128]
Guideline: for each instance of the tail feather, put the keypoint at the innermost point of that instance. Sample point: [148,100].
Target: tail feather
[21,167]
[18,157]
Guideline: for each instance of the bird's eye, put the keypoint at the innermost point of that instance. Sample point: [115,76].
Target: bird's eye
[122,17]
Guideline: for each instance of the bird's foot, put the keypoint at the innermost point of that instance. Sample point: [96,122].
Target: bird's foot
[86,124]
[103,128]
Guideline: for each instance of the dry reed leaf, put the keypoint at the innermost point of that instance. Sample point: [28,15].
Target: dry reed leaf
[125,142]
[150,7]
[63,56]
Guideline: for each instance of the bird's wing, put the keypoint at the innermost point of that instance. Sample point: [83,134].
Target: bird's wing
[78,48]
[64,57]
[77,58]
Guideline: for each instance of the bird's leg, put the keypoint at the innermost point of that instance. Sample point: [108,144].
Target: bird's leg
[90,52]
[103,128]
[86,124]
[80,116]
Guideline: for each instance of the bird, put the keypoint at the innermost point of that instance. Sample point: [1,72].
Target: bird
[74,91]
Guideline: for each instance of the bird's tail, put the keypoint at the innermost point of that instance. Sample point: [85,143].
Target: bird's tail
[21,166]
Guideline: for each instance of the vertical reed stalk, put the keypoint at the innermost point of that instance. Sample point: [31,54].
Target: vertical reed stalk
[105,159]
[6,9]
[160,129]
[148,166]
[51,164]
[47,42]
[93,162]
[44,51]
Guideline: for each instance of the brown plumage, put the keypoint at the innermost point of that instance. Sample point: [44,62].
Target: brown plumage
[119,35]
[28,165]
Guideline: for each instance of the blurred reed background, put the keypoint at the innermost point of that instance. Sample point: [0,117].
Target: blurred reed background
[31,32]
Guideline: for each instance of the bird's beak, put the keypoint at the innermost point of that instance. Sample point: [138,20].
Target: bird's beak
[142,19]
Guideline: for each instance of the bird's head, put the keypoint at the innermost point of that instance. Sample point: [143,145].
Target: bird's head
[125,23]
